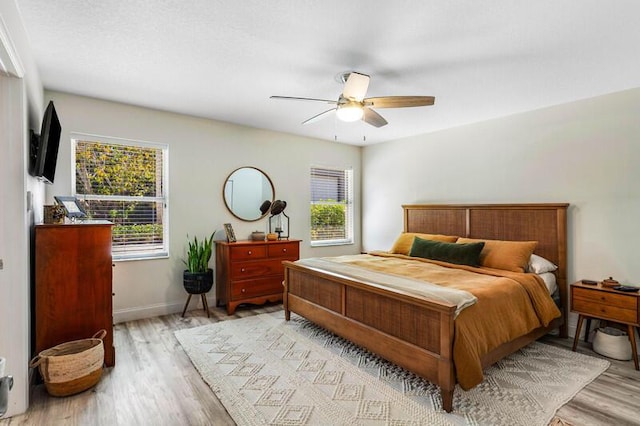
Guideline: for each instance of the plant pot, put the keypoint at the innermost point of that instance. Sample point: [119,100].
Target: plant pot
[197,282]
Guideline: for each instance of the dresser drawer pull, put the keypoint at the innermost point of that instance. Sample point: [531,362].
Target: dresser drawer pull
[243,290]
[242,270]
[284,250]
[249,252]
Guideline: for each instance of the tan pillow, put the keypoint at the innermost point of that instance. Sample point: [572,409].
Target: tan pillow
[405,241]
[507,255]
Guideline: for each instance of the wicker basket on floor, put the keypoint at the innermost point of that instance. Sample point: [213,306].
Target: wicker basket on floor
[71,367]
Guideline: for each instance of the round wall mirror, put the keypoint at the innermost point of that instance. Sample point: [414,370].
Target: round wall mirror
[245,191]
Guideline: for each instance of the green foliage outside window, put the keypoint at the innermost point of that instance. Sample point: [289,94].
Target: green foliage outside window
[109,170]
[328,220]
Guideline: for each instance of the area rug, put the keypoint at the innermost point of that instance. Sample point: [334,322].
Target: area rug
[266,370]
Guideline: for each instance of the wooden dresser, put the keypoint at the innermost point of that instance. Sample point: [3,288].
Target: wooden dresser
[73,293]
[251,271]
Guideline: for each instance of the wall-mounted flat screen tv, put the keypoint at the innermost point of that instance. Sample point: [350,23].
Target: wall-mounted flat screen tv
[44,147]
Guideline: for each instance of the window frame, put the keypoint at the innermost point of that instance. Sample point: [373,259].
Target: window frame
[132,255]
[350,203]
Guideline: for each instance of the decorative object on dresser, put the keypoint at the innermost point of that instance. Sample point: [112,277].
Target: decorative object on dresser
[257,236]
[610,282]
[228,230]
[198,277]
[279,221]
[73,284]
[72,206]
[251,271]
[54,214]
[605,303]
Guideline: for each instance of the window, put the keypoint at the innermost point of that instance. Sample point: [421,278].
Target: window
[125,182]
[331,206]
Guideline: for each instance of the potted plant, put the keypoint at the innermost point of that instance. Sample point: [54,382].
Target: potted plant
[198,277]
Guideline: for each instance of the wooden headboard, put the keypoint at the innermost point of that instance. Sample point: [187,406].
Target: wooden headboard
[544,223]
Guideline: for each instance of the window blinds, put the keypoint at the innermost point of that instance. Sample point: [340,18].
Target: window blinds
[124,184]
[331,206]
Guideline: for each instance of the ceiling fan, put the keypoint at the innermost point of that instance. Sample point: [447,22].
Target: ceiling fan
[352,104]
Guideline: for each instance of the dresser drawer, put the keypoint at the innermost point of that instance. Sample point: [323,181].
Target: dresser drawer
[254,288]
[246,270]
[285,250]
[612,299]
[600,310]
[248,252]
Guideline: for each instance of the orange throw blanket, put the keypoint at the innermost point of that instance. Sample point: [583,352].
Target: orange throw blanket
[510,305]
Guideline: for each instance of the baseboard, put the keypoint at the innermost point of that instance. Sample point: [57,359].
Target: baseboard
[158,309]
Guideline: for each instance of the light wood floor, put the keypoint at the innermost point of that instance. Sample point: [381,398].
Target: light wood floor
[154,383]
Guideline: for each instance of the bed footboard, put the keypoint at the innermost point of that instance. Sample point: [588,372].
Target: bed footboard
[412,332]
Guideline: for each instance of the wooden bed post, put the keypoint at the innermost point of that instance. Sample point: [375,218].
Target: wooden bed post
[446,373]
[285,295]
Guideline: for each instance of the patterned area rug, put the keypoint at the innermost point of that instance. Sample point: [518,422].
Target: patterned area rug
[269,371]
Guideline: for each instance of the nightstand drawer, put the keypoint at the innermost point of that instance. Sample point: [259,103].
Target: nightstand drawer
[600,310]
[612,299]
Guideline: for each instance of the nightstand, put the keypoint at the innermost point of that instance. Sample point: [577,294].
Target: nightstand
[596,301]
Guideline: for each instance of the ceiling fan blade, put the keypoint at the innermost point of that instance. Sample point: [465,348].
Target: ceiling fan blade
[319,116]
[399,101]
[373,118]
[356,86]
[293,98]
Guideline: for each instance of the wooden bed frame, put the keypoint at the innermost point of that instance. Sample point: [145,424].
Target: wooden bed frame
[414,332]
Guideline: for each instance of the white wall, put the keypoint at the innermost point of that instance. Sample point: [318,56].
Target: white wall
[20,105]
[201,155]
[585,153]
[14,241]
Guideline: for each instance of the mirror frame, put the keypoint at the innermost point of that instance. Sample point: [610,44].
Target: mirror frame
[224,185]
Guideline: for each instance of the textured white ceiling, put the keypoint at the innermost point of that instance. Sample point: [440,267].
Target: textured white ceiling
[222,59]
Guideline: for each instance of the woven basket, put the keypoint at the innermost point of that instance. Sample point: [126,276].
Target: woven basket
[612,343]
[71,367]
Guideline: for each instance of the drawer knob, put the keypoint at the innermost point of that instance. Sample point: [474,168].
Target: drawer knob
[242,270]
[243,290]
[284,250]
[249,252]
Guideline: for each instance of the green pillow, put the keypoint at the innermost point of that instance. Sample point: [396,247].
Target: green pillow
[460,254]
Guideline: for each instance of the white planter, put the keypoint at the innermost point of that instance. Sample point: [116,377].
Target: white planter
[612,343]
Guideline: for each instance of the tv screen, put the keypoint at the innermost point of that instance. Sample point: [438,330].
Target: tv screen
[45,146]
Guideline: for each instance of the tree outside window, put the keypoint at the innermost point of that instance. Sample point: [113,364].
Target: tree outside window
[124,182]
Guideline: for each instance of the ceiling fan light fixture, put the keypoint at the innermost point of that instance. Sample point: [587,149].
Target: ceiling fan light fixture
[349,112]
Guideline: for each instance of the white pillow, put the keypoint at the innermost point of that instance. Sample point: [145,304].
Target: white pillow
[540,265]
[549,281]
